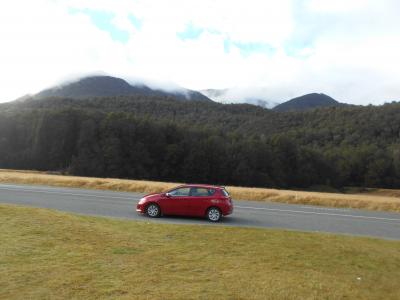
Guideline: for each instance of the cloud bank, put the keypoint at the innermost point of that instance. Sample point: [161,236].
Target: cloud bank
[346,49]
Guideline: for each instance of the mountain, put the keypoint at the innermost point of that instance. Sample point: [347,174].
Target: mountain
[307,102]
[107,86]
[255,96]
[239,95]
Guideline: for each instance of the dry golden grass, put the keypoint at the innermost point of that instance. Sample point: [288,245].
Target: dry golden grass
[383,192]
[34,177]
[46,254]
[372,199]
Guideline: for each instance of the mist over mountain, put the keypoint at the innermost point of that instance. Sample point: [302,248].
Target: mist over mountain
[108,86]
[104,86]
[253,96]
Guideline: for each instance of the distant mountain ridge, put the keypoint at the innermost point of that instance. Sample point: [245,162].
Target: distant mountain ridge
[307,102]
[106,86]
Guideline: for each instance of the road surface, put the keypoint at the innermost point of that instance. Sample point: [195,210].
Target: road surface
[246,213]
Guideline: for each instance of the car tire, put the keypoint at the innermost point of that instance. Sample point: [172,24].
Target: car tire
[214,214]
[153,210]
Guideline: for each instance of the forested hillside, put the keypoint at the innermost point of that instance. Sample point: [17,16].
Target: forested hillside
[161,138]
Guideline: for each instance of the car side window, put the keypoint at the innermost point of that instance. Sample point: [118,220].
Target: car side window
[180,192]
[201,192]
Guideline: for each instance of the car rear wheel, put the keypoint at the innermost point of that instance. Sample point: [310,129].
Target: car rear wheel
[153,210]
[214,214]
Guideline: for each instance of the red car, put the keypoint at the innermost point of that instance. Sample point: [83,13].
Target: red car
[208,201]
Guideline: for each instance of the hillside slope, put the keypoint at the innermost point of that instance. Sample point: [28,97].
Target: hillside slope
[162,138]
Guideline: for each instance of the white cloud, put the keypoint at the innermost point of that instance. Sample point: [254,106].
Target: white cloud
[42,44]
[347,49]
[336,6]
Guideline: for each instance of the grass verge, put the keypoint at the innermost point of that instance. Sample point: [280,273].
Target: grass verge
[46,254]
[372,199]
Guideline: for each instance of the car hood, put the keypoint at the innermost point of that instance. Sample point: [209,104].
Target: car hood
[152,195]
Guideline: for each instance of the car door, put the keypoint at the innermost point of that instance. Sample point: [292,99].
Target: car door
[198,201]
[175,202]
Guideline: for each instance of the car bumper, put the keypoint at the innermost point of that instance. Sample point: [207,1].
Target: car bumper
[140,208]
[228,211]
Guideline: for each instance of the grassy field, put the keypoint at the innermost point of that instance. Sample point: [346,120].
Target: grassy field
[372,199]
[46,254]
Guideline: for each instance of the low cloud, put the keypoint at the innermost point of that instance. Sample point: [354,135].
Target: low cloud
[346,49]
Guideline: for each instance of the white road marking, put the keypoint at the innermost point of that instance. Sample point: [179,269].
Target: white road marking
[69,194]
[325,208]
[316,213]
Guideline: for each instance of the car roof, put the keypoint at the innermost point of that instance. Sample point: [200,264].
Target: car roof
[201,185]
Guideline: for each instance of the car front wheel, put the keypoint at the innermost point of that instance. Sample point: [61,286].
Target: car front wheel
[214,214]
[153,210]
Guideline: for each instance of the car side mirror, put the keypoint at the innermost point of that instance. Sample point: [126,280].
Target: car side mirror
[168,195]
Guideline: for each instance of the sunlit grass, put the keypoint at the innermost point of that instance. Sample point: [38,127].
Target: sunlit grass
[373,199]
[51,255]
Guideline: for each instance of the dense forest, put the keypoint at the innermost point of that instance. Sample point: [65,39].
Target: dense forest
[161,138]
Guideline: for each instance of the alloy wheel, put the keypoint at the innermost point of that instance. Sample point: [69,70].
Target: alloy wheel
[153,210]
[214,214]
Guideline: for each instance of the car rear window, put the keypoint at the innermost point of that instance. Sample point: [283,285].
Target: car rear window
[225,193]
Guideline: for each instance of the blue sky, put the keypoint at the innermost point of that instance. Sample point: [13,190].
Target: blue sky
[190,32]
[267,49]
[103,21]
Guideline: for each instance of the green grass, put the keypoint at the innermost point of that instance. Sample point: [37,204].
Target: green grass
[46,254]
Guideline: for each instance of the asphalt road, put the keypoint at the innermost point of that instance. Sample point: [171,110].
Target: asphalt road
[246,213]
